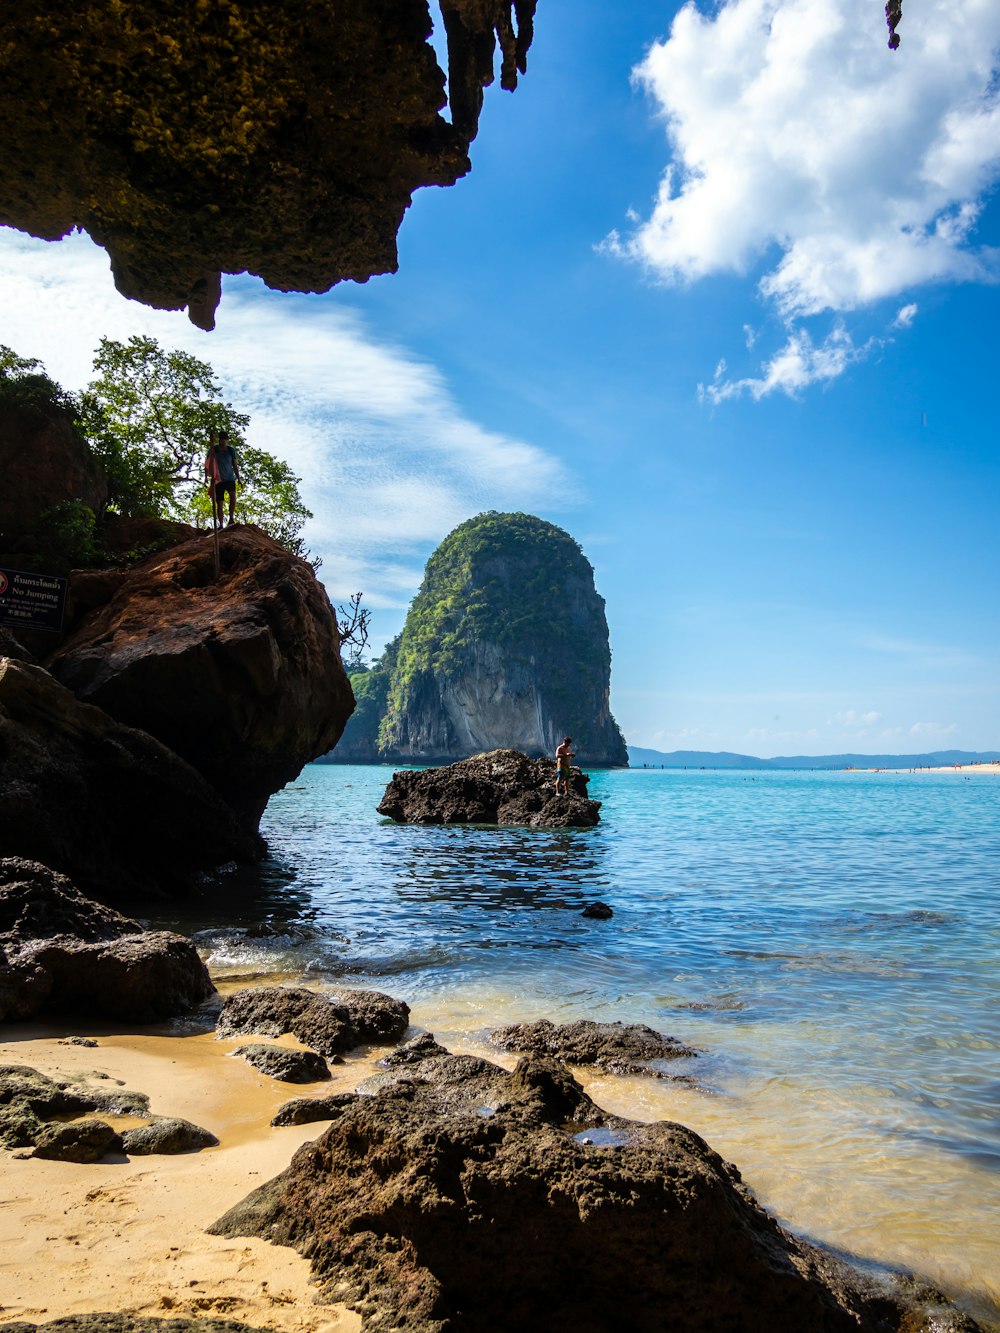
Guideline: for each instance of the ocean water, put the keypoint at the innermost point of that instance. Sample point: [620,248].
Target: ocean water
[829,942]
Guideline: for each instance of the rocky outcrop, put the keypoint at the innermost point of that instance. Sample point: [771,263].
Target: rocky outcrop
[34,1109]
[505,646]
[131,1323]
[616,1048]
[463,1197]
[502,787]
[43,464]
[330,1024]
[285,141]
[284,1062]
[60,952]
[239,675]
[101,802]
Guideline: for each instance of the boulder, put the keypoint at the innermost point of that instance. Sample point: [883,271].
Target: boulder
[166,1135]
[330,1024]
[62,952]
[110,1322]
[78,1141]
[239,675]
[307,1110]
[617,1048]
[461,1197]
[103,803]
[285,1063]
[499,787]
[412,1052]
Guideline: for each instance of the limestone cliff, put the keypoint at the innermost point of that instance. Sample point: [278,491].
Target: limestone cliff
[505,647]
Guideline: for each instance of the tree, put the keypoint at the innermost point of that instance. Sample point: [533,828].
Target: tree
[148,416]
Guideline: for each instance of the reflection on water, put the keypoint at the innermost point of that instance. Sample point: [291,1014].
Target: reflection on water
[830,941]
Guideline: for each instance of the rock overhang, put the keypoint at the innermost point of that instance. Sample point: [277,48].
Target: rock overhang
[220,136]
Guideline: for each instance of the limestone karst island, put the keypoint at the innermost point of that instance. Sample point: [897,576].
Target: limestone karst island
[351,981]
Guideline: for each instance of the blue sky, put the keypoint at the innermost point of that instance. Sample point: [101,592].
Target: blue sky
[720,298]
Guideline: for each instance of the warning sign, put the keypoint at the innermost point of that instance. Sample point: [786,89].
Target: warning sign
[31,601]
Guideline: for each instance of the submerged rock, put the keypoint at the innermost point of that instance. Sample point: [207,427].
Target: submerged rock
[167,1135]
[285,1063]
[59,951]
[617,1048]
[461,1197]
[330,1024]
[500,787]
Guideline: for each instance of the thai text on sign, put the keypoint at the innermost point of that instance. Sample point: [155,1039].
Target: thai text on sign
[32,601]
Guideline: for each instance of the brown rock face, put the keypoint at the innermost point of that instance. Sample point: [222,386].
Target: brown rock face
[103,803]
[499,787]
[191,140]
[330,1024]
[465,1198]
[240,676]
[61,952]
[43,463]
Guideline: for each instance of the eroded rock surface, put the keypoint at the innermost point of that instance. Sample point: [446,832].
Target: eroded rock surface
[59,951]
[240,676]
[617,1048]
[284,1063]
[130,1323]
[285,141]
[106,804]
[167,1135]
[463,1197]
[33,1108]
[500,787]
[331,1024]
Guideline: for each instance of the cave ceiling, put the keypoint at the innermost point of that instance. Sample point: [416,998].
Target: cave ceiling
[192,138]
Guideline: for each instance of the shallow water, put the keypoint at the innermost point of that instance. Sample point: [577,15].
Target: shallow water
[829,941]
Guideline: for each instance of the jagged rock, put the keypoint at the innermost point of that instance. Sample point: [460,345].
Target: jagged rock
[43,463]
[130,1323]
[617,1048]
[501,787]
[330,1024]
[462,1197]
[240,676]
[285,141]
[307,1110]
[284,1063]
[61,951]
[83,1141]
[101,802]
[505,645]
[169,1135]
[412,1052]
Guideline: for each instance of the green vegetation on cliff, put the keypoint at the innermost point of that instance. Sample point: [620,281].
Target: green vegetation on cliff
[506,639]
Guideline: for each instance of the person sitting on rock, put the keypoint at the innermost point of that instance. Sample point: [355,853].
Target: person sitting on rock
[563,756]
[223,473]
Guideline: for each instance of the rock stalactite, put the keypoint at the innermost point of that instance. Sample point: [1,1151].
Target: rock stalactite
[195,140]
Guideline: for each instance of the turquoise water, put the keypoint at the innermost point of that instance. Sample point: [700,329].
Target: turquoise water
[829,941]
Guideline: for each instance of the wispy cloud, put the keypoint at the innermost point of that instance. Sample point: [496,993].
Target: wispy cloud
[790,125]
[390,462]
[799,364]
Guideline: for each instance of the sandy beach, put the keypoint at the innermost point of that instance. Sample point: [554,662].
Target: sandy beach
[129,1235]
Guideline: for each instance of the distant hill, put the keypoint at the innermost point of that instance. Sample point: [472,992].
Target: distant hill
[639,756]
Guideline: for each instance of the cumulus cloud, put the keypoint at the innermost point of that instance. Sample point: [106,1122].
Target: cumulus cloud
[798,140]
[389,460]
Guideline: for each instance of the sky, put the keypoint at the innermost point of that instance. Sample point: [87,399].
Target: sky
[720,298]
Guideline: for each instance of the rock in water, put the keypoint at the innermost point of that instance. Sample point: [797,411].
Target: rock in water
[466,1198]
[505,645]
[240,676]
[330,1024]
[502,787]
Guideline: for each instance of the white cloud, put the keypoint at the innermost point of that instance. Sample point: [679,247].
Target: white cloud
[389,461]
[852,718]
[905,316]
[932,730]
[790,123]
[795,367]
[797,139]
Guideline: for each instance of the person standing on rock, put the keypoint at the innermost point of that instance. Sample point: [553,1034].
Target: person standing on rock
[563,757]
[223,473]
